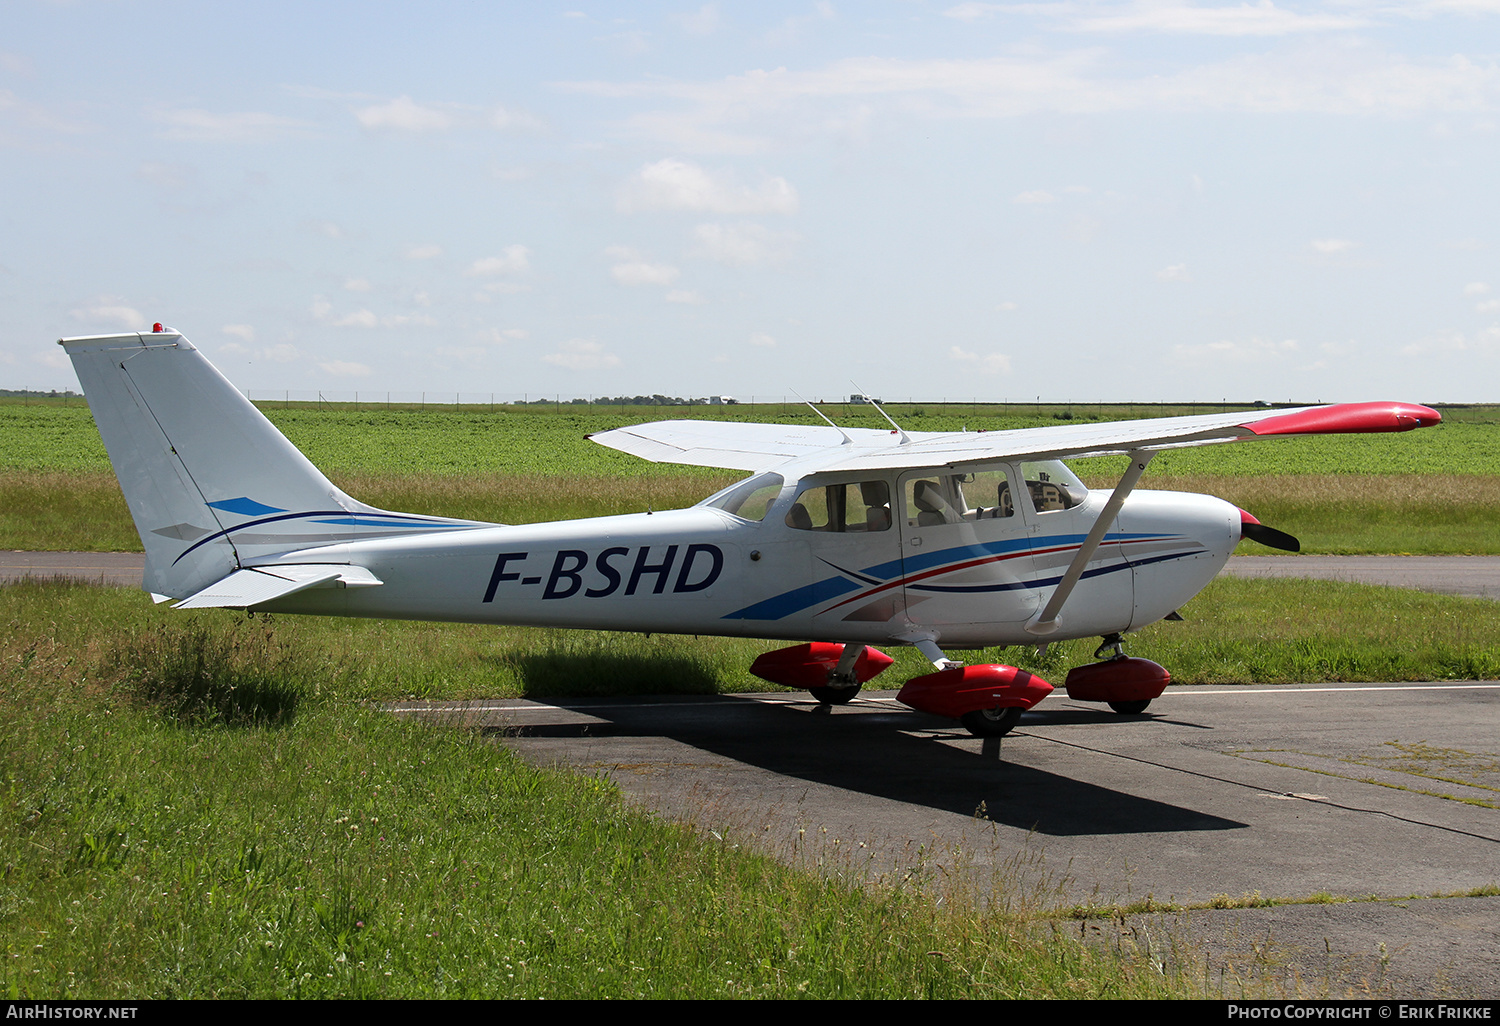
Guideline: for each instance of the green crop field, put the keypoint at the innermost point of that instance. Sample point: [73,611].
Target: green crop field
[1431,491]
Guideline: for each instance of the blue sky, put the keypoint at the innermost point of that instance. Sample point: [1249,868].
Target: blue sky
[1080,201]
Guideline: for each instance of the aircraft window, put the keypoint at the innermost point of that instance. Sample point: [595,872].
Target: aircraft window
[751,498]
[1052,486]
[843,508]
[986,495]
[959,498]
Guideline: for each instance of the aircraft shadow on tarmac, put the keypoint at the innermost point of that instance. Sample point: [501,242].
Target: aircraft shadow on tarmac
[871,752]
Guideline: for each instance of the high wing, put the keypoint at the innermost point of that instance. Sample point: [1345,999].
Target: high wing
[757,447]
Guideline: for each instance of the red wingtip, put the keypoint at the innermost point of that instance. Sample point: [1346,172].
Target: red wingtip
[1348,418]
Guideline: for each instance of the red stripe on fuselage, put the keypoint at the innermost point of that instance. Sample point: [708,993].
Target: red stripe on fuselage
[939,571]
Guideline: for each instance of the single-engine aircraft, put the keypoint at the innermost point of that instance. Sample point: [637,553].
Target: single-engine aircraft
[841,538]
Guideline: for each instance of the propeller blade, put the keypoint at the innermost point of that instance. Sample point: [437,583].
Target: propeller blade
[1268,536]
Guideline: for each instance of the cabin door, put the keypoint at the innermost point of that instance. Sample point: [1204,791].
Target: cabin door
[965,549]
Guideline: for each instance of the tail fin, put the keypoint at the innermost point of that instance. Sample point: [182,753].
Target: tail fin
[211,484]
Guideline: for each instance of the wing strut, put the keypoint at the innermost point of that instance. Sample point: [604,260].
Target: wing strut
[1046,621]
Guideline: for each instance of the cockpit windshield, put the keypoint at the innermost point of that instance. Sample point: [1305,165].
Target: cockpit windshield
[750,499]
[1052,486]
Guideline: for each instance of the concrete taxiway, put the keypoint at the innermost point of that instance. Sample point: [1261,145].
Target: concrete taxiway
[1286,792]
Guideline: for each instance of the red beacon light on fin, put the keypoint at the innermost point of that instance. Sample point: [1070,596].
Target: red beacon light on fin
[156,327]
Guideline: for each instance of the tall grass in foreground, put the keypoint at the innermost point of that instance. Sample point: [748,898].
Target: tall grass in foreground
[334,850]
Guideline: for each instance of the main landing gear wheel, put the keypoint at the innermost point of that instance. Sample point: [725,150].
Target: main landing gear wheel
[1130,708]
[834,696]
[992,722]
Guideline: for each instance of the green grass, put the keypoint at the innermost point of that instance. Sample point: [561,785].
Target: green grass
[172,827]
[1430,491]
[473,440]
[1235,632]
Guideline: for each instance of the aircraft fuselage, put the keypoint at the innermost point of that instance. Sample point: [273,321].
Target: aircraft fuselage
[706,571]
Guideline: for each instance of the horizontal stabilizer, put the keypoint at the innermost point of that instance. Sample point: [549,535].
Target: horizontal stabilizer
[258,585]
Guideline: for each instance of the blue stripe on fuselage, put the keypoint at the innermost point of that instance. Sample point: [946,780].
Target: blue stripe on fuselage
[789,602]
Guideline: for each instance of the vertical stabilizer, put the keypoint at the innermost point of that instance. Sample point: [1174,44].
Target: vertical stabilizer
[211,484]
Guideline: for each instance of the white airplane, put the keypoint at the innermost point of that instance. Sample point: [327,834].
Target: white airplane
[842,538]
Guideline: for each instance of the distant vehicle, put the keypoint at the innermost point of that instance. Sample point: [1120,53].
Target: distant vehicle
[864,400]
[841,538]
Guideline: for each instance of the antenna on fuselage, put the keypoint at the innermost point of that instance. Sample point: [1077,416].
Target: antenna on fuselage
[847,440]
[881,410]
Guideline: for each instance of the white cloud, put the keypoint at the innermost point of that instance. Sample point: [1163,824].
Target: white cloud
[328,229]
[358,285]
[1456,342]
[1476,288]
[635,269]
[702,22]
[1262,18]
[685,296]
[243,331]
[430,251]
[403,114]
[1007,306]
[492,289]
[988,363]
[762,340]
[972,11]
[112,312]
[407,320]
[1329,247]
[500,336]
[1259,19]
[761,109]
[206,126]
[504,119]
[679,185]
[322,310]
[743,244]
[1488,306]
[358,319]
[582,354]
[1176,272]
[1034,196]
[1253,350]
[344,369]
[514,260]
